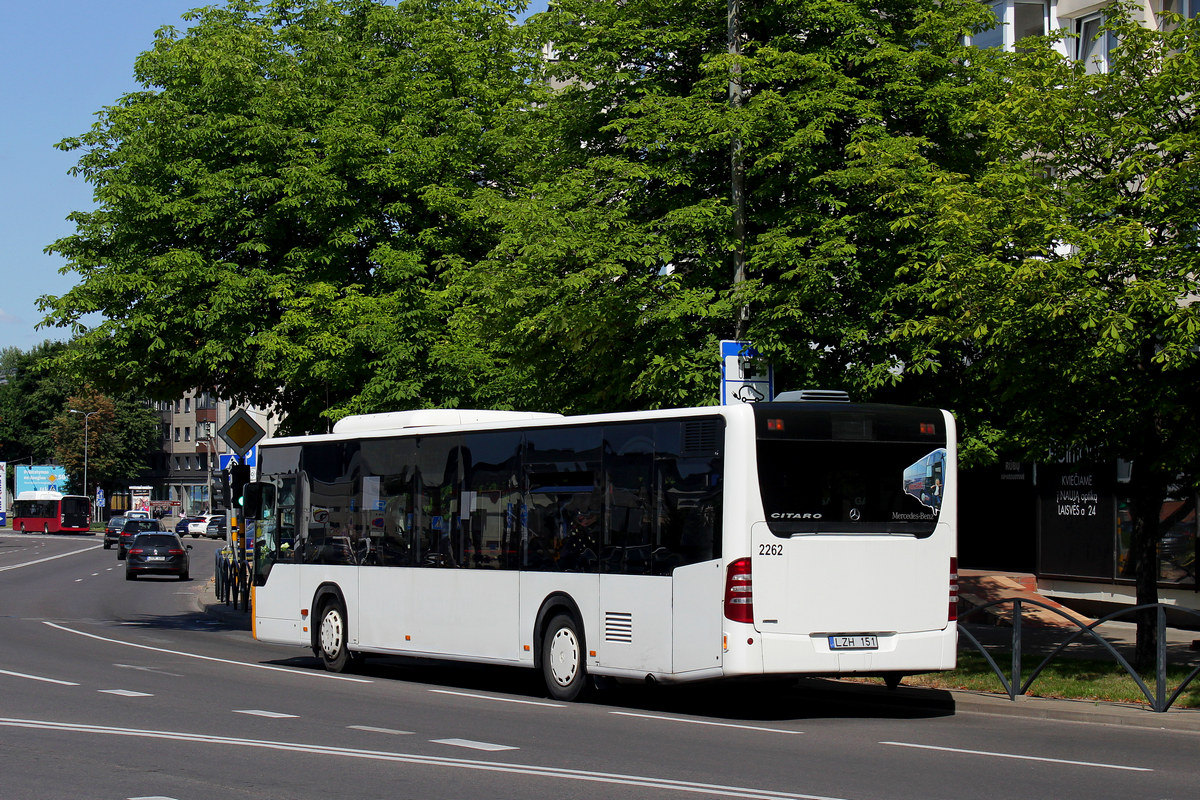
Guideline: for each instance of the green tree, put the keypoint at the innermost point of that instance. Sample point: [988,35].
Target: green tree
[1071,267]
[119,434]
[275,207]
[31,394]
[612,278]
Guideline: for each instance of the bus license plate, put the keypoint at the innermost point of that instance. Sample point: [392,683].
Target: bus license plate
[856,642]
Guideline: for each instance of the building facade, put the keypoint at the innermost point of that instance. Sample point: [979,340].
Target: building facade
[185,472]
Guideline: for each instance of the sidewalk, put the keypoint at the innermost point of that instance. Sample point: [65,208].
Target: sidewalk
[920,700]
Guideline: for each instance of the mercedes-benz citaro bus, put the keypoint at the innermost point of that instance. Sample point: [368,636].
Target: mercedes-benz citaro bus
[769,539]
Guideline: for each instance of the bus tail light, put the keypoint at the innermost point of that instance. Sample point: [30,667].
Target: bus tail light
[739,593]
[953,614]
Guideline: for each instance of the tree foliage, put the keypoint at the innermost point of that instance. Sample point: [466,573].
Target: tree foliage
[119,432]
[37,426]
[31,394]
[1072,264]
[275,206]
[612,280]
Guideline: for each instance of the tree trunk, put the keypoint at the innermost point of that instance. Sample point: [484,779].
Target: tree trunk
[1146,508]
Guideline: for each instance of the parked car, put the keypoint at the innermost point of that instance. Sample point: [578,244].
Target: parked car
[131,529]
[198,525]
[181,527]
[157,553]
[217,528]
[112,531]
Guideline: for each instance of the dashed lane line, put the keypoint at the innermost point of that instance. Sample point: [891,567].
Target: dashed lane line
[527,770]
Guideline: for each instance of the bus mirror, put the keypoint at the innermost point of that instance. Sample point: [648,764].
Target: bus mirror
[252,500]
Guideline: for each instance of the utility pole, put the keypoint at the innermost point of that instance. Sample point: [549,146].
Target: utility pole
[86,416]
[737,163]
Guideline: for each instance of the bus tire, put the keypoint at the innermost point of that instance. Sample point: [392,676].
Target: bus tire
[332,637]
[564,668]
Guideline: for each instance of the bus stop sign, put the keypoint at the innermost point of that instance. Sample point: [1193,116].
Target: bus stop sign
[241,432]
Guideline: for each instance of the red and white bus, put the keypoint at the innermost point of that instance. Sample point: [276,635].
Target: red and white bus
[776,538]
[52,512]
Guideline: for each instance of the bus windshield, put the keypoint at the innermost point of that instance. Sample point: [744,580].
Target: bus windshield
[842,472]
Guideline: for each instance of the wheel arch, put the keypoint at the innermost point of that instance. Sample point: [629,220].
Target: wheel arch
[324,594]
[556,603]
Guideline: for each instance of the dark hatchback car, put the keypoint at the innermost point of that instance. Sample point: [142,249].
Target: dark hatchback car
[112,531]
[156,554]
[131,529]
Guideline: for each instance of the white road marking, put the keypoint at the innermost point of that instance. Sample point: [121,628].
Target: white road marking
[153,797]
[309,673]
[124,692]
[48,558]
[254,712]
[149,669]
[488,746]
[584,776]
[1020,757]
[36,678]
[372,729]
[706,722]
[498,699]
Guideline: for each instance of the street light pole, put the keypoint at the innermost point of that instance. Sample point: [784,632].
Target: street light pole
[86,416]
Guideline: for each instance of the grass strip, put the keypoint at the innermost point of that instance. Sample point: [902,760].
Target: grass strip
[1064,678]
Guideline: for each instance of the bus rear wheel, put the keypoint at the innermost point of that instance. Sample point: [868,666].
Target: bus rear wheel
[563,666]
[332,639]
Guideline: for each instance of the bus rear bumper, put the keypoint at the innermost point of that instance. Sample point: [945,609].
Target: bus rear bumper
[784,654]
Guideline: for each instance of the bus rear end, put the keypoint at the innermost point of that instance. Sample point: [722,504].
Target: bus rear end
[852,564]
[75,514]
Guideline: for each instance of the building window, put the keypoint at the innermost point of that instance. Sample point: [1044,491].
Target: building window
[177,434]
[1015,19]
[187,405]
[166,432]
[177,406]
[187,434]
[177,463]
[1184,8]
[1093,45]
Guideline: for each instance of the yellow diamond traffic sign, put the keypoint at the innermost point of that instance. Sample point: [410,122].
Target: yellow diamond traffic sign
[241,432]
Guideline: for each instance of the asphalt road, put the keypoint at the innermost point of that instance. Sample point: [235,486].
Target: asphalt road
[116,689]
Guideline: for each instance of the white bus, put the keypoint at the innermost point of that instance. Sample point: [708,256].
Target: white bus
[677,545]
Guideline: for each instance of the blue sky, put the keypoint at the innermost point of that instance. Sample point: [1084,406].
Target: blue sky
[62,60]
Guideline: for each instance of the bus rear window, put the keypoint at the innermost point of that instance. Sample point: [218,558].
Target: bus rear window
[851,486]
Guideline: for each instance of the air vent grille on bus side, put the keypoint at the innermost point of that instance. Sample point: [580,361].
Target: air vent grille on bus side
[618,626]
[700,437]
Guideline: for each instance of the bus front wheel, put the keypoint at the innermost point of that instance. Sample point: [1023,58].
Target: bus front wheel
[563,667]
[331,637]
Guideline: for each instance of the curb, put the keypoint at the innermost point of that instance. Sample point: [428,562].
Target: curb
[953,701]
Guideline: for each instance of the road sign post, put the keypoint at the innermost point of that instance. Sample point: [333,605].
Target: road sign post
[746,376]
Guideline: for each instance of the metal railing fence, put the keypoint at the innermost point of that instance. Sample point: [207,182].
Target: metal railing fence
[1012,682]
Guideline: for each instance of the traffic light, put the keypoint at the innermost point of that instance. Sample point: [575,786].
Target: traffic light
[239,476]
